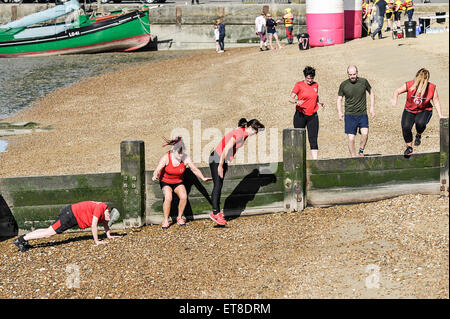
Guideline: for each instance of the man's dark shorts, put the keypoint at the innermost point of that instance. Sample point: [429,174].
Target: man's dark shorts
[66,219]
[353,122]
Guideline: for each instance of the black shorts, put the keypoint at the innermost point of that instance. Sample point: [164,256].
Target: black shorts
[397,15]
[173,186]
[388,15]
[66,219]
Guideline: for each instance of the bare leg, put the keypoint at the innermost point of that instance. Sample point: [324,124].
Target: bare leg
[167,191]
[40,233]
[270,41]
[315,154]
[351,144]
[278,41]
[364,137]
[182,195]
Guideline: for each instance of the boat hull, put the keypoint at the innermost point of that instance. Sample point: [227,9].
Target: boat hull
[125,33]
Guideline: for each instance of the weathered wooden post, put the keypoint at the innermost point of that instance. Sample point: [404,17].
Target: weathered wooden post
[444,157]
[132,160]
[294,163]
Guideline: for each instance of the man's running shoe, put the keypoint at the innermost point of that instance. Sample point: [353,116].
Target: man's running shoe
[408,151]
[361,152]
[21,243]
[417,141]
[218,218]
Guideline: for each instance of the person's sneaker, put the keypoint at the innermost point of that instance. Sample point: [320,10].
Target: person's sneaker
[218,218]
[417,141]
[21,243]
[408,151]
[261,49]
[180,221]
[361,152]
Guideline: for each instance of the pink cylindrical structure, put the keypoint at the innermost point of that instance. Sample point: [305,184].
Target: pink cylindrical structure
[325,22]
[352,18]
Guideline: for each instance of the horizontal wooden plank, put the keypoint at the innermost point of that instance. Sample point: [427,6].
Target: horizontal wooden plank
[230,203]
[364,178]
[384,162]
[352,195]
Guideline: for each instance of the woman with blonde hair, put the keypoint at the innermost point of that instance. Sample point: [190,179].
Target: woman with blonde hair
[421,95]
[170,172]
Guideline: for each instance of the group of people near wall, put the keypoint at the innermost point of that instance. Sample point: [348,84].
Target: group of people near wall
[377,12]
[421,97]
[265,29]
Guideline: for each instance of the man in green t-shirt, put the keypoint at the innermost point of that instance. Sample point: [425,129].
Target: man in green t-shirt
[354,90]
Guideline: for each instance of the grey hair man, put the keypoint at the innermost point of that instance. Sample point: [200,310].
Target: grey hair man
[354,91]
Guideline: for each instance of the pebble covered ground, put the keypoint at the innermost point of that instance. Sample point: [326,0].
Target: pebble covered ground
[396,248]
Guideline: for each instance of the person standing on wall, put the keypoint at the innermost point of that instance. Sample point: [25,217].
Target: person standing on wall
[379,12]
[409,7]
[418,107]
[222,155]
[305,96]
[84,215]
[221,35]
[260,29]
[289,24]
[354,90]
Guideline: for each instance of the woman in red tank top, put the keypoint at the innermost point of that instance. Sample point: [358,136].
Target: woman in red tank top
[418,107]
[170,172]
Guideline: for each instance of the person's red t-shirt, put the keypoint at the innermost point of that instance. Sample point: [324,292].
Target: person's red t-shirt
[309,95]
[239,134]
[415,103]
[85,211]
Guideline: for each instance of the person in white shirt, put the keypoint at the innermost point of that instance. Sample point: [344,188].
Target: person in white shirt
[260,29]
[216,36]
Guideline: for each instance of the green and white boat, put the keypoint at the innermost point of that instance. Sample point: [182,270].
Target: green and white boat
[79,33]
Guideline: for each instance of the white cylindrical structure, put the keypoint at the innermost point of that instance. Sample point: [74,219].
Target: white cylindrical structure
[325,22]
[353,19]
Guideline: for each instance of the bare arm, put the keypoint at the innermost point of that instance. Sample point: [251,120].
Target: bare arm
[162,163]
[94,230]
[339,108]
[437,104]
[397,92]
[195,170]
[225,151]
[372,102]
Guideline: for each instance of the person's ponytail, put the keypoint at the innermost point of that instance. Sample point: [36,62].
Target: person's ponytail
[242,122]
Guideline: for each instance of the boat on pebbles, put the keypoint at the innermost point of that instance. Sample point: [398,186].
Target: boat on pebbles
[77,33]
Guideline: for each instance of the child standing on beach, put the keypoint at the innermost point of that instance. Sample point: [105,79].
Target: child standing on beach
[216,36]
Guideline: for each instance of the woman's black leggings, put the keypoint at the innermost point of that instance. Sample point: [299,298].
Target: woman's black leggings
[409,119]
[214,159]
[311,122]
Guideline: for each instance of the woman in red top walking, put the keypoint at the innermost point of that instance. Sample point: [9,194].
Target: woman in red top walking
[222,155]
[170,172]
[305,95]
[418,108]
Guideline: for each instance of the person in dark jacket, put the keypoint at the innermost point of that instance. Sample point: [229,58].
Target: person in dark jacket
[221,35]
